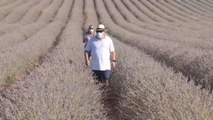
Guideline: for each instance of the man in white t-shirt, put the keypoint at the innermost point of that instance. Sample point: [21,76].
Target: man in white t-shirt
[101,47]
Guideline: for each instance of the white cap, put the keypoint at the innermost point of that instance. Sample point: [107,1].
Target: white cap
[101,26]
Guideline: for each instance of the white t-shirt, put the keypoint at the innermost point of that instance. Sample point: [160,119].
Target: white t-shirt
[100,52]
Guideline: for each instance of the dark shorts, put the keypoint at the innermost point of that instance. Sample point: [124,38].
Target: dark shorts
[102,75]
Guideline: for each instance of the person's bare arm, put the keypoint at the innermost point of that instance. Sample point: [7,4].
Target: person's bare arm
[87,60]
[113,57]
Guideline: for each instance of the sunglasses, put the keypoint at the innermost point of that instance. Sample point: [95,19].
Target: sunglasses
[99,31]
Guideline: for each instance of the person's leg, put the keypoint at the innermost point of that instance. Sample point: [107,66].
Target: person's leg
[106,76]
[97,75]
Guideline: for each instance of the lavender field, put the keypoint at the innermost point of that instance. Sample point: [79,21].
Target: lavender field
[164,50]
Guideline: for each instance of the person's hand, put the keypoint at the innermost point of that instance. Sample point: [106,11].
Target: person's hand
[113,64]
[87,62]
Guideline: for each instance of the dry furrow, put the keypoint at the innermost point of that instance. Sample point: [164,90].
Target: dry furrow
[88,12]
[174,24]
[195,38]
[123,98]
[56,90]
[201,4]
[157,11]
[190,41]
[22,33]
[186,10]
[174,10]
[6,2]
[196,34]
[177,11]
[194,9]
[5,28]
[119,19]
[19,12]
[150,91]
[140,14]
[17,59]
[198,7]
[33,14]
[30,17]
[130,16]
[135,10]
[167,11]
[192,62]
[194,19]
[206,3]
[4,11]
[149,12]
[209,1]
